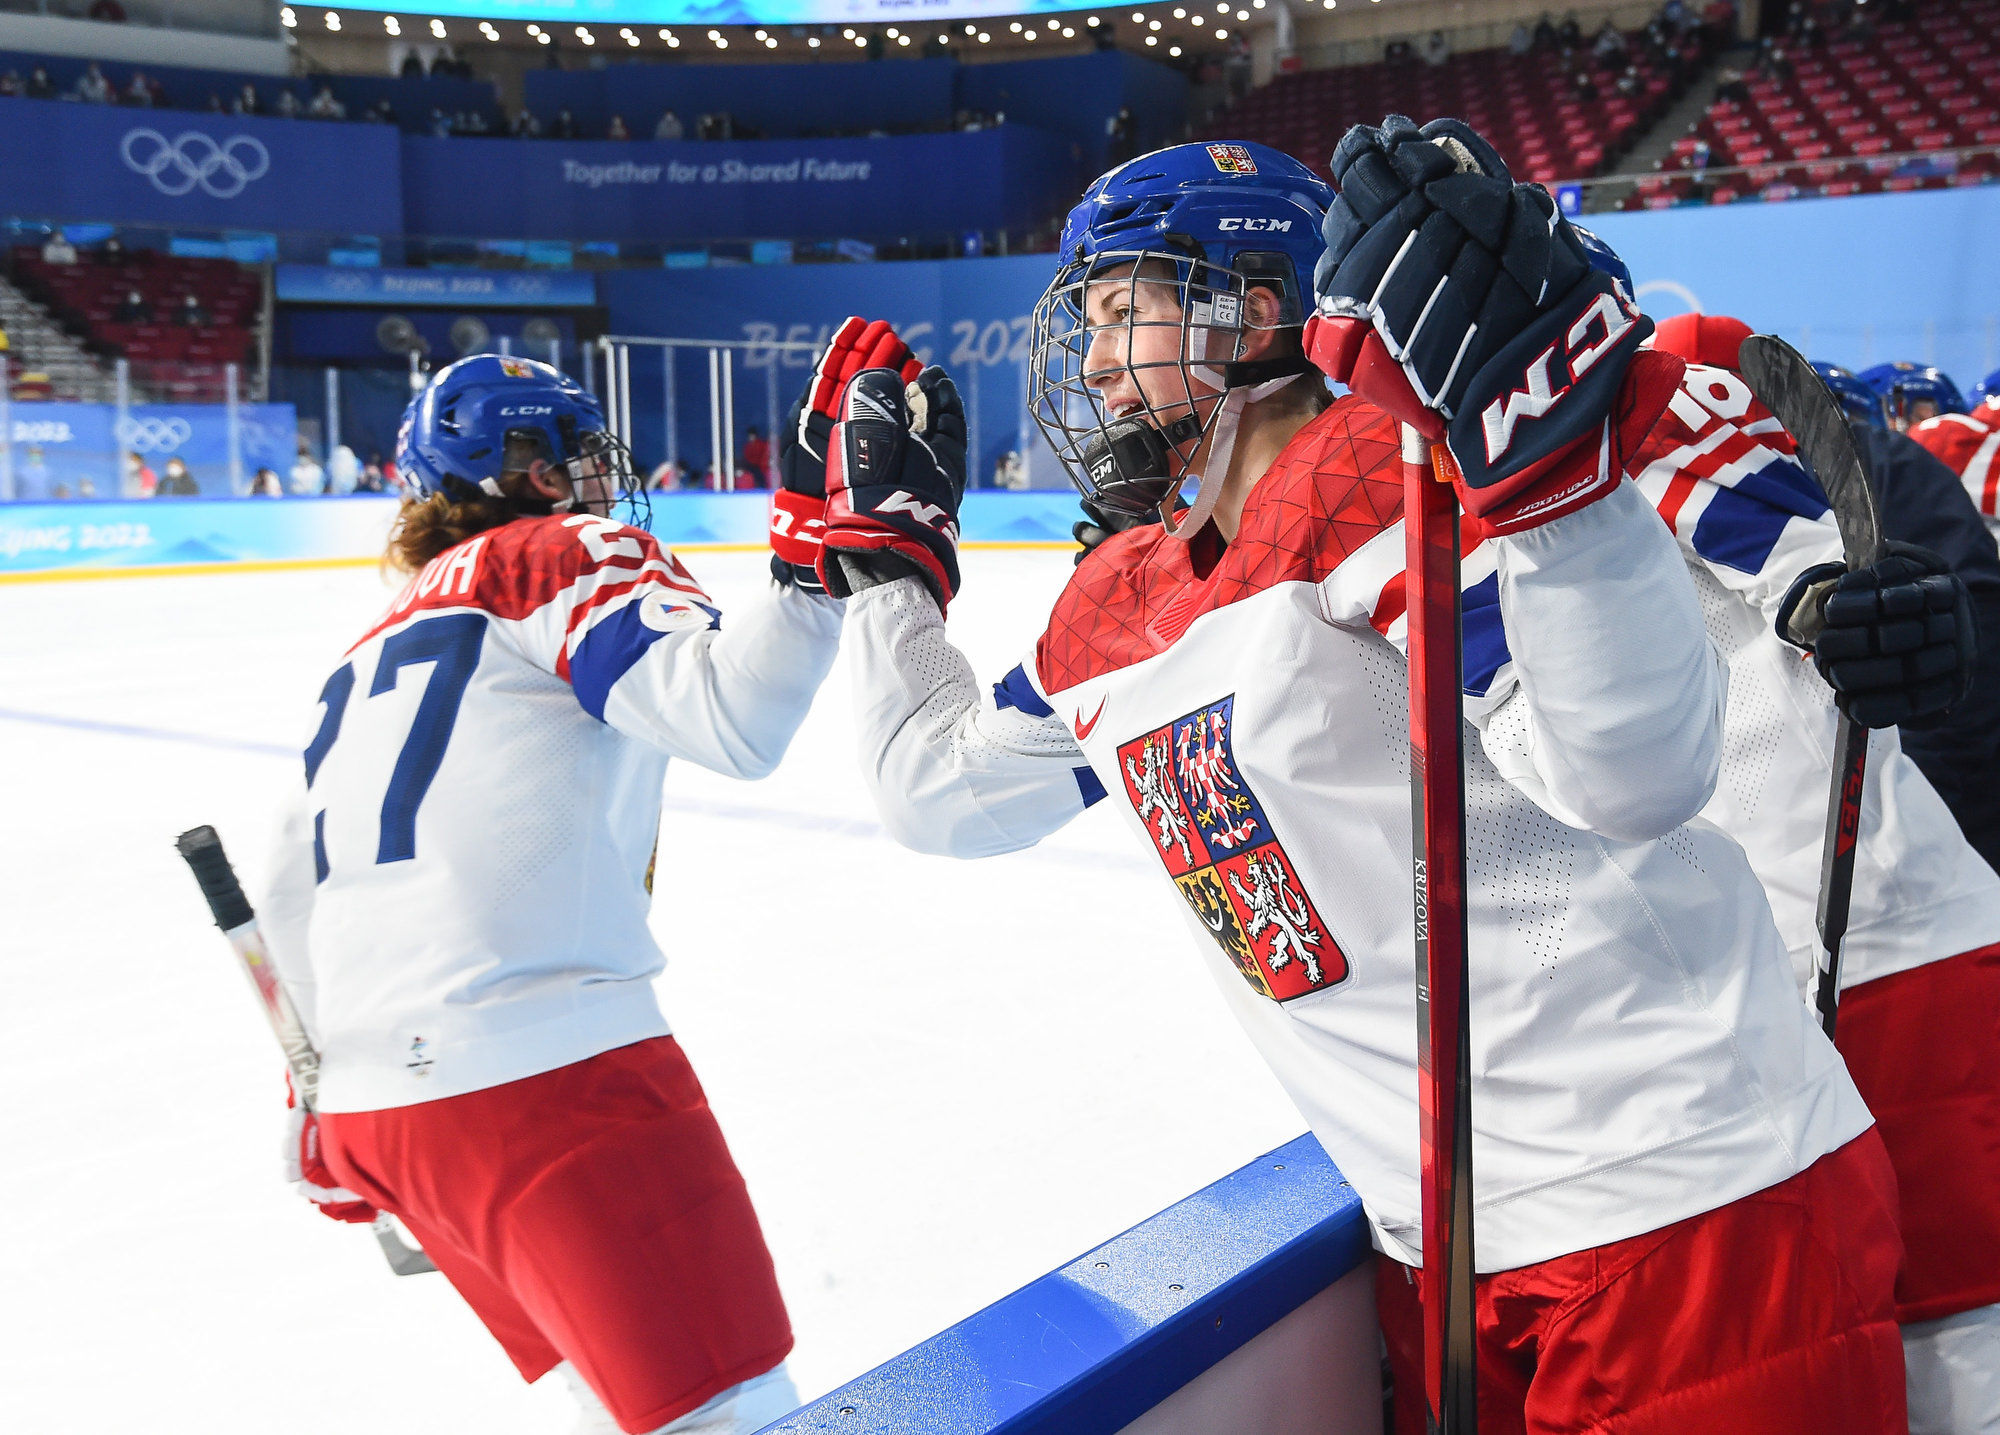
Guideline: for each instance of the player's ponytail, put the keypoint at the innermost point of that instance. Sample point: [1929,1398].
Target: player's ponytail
[427,526]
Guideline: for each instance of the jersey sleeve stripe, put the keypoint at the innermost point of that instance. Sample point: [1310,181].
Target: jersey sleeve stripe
[1015,691]
[608,652]
[1088,787]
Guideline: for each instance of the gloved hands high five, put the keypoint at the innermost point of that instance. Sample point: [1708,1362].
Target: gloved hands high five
[895,474]
[1896,641]
[1464,304]
[798,507]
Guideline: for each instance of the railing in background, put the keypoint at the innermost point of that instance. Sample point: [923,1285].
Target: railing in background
[1767,182]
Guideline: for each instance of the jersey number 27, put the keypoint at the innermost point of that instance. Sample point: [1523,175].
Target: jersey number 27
[451,645]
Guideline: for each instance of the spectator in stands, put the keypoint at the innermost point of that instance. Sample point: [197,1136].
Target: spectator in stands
[669,127]
[307,475]
[138,93]
[412,67]
[564,127]
[40,86]
[1569,33]
[1121,133]
[1731,87]
[287,107]
[1609,48]
[93,88]
[1628,83]
[108,11]
[191,314]
[525,126]
[214,105]
[177,482]
[1437,48]
[1584,86]
[616,129]
[1398,52]
[373,479]
[440,123]
[10,84]
[140,480]
[247,102]
[1521,41]
[57,249]
[382,112]
[264,484]
[757,458]
[669,476]
[133,309]
[1545,33]
[343,470]
[324,106]
[111,251]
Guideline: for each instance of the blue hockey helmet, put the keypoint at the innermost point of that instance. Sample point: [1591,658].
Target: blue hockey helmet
[488,413]
[1207,223]
[1904,386]
[1985,391]
[1605,259]
[1860,403]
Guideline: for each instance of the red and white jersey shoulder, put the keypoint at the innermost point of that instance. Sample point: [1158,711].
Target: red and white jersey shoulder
[1640,1054]
[1724,475]
[463,880]
[1969,444]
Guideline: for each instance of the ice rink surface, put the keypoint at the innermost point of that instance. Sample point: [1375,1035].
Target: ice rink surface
[941,1079]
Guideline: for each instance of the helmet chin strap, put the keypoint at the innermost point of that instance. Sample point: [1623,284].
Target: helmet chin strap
[1221,449]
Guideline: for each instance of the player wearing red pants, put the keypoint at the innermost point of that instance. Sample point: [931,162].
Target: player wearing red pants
[1920,973]
[1647,1087]
[460,900]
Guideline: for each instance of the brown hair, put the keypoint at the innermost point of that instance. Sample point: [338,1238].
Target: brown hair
[426,527]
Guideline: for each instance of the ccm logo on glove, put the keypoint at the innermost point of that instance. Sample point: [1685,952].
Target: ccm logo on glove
[1594,334]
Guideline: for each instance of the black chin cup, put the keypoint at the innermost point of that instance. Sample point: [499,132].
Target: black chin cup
[1131,467]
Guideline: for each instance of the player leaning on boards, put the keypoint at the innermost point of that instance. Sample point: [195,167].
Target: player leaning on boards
[459,907]
[1920,967]
[1685,1221]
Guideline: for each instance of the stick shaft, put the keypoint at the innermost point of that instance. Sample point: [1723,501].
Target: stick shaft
[1836,866]
[1437,809]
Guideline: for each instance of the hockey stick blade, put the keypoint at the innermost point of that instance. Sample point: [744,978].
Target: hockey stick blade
[1786,385]
[404,1260]
[1801,401]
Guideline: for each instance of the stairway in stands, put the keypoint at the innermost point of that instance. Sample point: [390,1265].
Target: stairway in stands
[37,344]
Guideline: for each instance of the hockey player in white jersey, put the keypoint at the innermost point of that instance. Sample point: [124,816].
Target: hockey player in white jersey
[1685,1220]
[1920,967]
[460,895]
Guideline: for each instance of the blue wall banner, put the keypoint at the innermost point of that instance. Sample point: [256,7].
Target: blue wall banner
[49,538]
[1854,281]
[200,170]
[73,450]
[750,189]
[458,288]
[970,315]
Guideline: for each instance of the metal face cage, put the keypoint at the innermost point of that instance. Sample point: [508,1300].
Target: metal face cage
[1178,395]
[598,455]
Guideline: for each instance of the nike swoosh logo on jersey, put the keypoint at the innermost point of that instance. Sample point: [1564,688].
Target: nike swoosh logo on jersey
[1085,729]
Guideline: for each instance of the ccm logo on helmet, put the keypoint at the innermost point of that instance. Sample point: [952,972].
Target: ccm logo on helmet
[1268,226]
[1589,339]
[527,409]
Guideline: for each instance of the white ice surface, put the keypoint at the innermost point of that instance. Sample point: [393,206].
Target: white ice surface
[941,1079]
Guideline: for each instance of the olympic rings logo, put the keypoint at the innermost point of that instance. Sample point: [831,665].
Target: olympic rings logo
[176,166]
[154,435]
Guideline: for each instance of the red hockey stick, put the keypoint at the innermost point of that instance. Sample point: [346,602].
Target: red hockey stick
[1444,1039]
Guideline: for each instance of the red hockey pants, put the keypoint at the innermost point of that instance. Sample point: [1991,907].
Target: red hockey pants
[1772,1315]
[589,1214]
[1924,1048]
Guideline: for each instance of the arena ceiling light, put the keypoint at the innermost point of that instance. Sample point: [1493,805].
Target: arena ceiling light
[289,18]
[645,15]
[392,24]
[333,21]
[438,30]
[486,29]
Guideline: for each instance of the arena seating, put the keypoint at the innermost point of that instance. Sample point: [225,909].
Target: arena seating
[1930,82]
[1524,103]
[171,360]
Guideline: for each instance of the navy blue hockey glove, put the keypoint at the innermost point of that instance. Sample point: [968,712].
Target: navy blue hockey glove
[1466,305]
[894,477]
[798,507]
[1100,522]
[1896,641]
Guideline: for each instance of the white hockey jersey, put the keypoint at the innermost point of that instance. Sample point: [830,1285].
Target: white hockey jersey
[1724,475]
[1969,445]
[460,893]
[1639,1051]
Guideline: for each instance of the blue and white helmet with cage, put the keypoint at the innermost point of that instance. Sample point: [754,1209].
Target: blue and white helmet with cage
[488,413]
[1210,222]
[1903,385]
